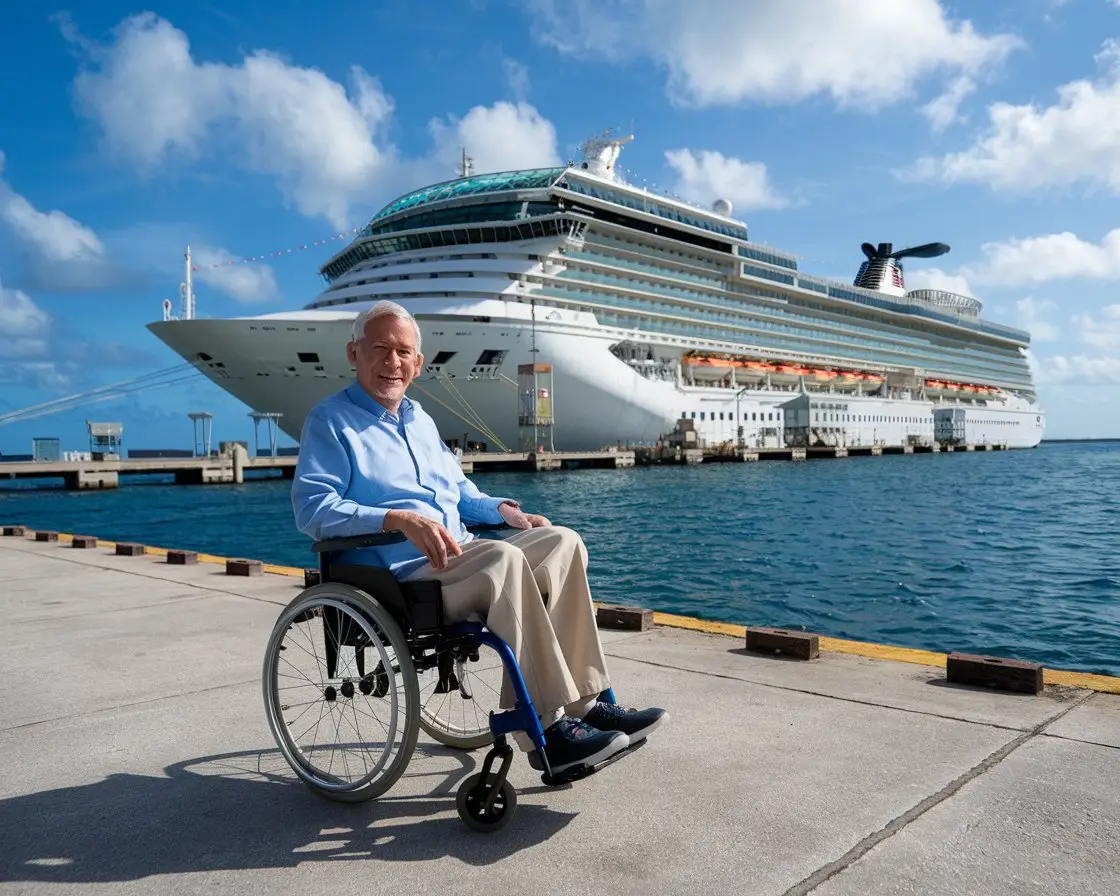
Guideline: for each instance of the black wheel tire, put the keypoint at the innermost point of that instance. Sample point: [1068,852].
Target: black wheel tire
[469,802]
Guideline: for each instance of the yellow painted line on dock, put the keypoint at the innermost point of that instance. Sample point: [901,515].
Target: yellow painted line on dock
[1106,684]
[202,558]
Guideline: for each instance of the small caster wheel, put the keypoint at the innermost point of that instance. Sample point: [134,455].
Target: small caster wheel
[471,797]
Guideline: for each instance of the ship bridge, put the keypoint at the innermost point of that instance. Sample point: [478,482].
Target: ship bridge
[496,200]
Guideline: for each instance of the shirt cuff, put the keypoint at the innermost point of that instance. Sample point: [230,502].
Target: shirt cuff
[488,508]
[370,520]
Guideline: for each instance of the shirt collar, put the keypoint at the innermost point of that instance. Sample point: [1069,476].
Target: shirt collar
[364,400]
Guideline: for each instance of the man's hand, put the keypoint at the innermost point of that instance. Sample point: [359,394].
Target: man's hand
[430,537]
[518,519]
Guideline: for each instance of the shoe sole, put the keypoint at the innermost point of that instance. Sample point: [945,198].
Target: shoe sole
[617,745]
[648,730]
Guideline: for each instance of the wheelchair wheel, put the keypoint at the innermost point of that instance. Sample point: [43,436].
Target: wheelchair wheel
[340,692]
[458,695]
[471,803]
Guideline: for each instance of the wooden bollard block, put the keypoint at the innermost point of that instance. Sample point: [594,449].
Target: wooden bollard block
[46,536]
[240,567]
[83,541]
[310,577]
[798,645]
[994,672]
[182,558]
[15,531]
[129,549]
[631,619]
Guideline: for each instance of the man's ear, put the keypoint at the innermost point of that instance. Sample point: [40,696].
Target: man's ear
[419,364]
[352,353]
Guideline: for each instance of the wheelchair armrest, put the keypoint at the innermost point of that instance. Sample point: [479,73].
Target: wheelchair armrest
[373,539]
[380,539]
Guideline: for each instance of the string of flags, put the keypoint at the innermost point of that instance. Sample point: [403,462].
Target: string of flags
[344,235]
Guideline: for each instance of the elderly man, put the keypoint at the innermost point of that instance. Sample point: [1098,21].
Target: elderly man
[371,460]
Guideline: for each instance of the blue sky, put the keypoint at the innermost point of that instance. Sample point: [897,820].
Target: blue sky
[250,129]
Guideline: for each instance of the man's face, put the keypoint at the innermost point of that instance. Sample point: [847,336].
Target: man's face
[386,360]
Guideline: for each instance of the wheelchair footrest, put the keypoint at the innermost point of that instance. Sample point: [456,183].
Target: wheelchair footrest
[578,772]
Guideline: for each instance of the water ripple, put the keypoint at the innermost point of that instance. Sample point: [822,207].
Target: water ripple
[1015,554]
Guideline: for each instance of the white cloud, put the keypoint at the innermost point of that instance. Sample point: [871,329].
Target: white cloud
[517,76]
[155,104]
[25,344]
[326,147]
[60,249]
[942,110]
[1039,259]
[1101,332]
[24,326]
[704,176]
[726,51]
[501,137]
[248,283]
[1029,312]
[67,256]
[935,278]
[1080,369]
[1027,147]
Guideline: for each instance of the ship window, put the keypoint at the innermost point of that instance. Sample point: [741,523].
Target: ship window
[205,357]
[309,357]
[490,357]
[443,357]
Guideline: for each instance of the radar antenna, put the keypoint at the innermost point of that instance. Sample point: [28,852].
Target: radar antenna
[601,151]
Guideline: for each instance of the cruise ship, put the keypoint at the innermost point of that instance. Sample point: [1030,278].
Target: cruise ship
[609,314]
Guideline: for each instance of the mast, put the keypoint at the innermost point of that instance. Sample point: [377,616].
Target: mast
[466,165]
[185,291]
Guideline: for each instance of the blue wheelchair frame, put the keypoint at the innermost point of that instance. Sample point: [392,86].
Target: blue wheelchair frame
[417,608]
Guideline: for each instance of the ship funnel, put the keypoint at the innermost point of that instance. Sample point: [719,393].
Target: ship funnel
[883,271]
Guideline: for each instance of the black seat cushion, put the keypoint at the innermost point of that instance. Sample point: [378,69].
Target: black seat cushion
[417,607]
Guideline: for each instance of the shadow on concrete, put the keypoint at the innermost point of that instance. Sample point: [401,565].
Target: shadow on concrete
[770,657]
[943,682]
[244,811]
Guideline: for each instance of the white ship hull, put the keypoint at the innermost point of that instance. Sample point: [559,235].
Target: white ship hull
[599,400]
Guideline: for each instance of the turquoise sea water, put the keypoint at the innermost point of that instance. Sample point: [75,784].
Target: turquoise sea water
[1016,553]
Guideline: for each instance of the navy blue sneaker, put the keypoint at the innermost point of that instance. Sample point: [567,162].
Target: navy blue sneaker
[569,742]
[636,724]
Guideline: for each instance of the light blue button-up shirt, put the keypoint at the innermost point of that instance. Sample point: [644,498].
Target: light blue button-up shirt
[358,461]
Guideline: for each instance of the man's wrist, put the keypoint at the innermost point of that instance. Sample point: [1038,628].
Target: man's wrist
[393,520]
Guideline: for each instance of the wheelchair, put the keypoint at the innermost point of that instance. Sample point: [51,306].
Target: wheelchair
[372,639]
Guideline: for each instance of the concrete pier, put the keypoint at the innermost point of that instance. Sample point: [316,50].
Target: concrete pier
[106,473]
[232,467]
[137,760]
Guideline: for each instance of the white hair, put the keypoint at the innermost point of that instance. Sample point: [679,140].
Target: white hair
[382,309]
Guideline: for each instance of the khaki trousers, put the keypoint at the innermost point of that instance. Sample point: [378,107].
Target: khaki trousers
[531,590]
